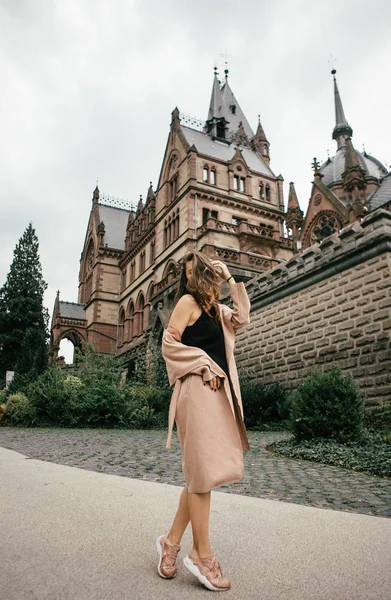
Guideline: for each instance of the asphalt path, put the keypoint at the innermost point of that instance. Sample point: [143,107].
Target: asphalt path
[69,533]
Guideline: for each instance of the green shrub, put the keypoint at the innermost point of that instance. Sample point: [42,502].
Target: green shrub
[326,405]
[47,395]
[18,410]
[147,406]
[100,399]
[263,403]
[150,366]
[21,382]
[379,417]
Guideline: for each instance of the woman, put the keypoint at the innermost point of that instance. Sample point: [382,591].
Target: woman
[206,405]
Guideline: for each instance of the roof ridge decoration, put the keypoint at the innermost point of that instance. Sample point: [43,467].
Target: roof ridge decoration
[74,303]
[114,202]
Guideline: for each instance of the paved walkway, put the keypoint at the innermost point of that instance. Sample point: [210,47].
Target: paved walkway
[72,534]
[142,455]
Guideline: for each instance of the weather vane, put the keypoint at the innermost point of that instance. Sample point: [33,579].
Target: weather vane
[332,60]
[224,56]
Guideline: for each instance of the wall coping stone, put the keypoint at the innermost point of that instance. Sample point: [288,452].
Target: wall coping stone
[354,244]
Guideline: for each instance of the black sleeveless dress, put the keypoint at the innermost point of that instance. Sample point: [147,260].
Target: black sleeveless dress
[206,334]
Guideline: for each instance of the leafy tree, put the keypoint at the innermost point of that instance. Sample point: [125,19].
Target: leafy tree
[23,318]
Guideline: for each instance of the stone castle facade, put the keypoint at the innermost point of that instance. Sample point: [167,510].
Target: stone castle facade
[217,194]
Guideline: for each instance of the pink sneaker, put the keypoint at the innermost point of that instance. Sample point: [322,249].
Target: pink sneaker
[207,571]
[167,557]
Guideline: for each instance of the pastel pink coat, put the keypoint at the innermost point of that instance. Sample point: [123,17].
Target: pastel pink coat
[210,424]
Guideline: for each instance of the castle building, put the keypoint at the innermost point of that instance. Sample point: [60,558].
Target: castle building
[345,188]
[217,194]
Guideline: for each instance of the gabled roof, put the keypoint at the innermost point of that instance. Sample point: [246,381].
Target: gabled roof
[115,221]
[222,151]
[224,104]
[72,310]
[237,117]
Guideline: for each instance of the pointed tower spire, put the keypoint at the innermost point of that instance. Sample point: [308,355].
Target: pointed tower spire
[216,101]
[342,129]
[95,196]
[260,143]
[292,198]
[354,181]
[294,216]
[150,194]
[216,123]
[57,304]
[240,136]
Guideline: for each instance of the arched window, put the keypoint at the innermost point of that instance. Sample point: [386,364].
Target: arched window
[132,271]
[131,321]
[152,252]
[267,193]
[205,174]
[213,176]
[121,327]
[173,187]
[142,261]
[89,266]
[138,316]
[261,194]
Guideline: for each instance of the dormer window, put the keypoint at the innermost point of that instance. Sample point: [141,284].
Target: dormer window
[261,195]
[220,130]
[236,182]
[267,193]
[233,108]
[213,177]
[205,174]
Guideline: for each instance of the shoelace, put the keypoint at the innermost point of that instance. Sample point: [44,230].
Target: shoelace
[214,566]
[171,555]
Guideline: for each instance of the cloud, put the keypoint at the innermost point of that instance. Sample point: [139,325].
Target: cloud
[89,86]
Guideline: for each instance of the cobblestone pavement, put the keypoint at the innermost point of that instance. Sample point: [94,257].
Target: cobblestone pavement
[142,455]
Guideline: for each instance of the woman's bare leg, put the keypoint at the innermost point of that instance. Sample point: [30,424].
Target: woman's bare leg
[199,505]
[194,507]
[181,519]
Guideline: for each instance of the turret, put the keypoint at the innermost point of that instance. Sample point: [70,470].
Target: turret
[294,216]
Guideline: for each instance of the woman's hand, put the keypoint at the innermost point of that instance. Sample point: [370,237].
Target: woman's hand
[222,269]
[214,383]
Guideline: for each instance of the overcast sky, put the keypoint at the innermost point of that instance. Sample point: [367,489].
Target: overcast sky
[88,86]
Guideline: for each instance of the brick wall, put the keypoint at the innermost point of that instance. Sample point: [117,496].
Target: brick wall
[328,306]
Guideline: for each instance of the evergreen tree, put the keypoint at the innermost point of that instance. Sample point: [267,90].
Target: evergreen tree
[23,318]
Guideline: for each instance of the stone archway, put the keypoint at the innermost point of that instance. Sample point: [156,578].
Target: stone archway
[63,355]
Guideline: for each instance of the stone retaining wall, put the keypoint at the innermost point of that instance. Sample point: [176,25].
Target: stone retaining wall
[328,306]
